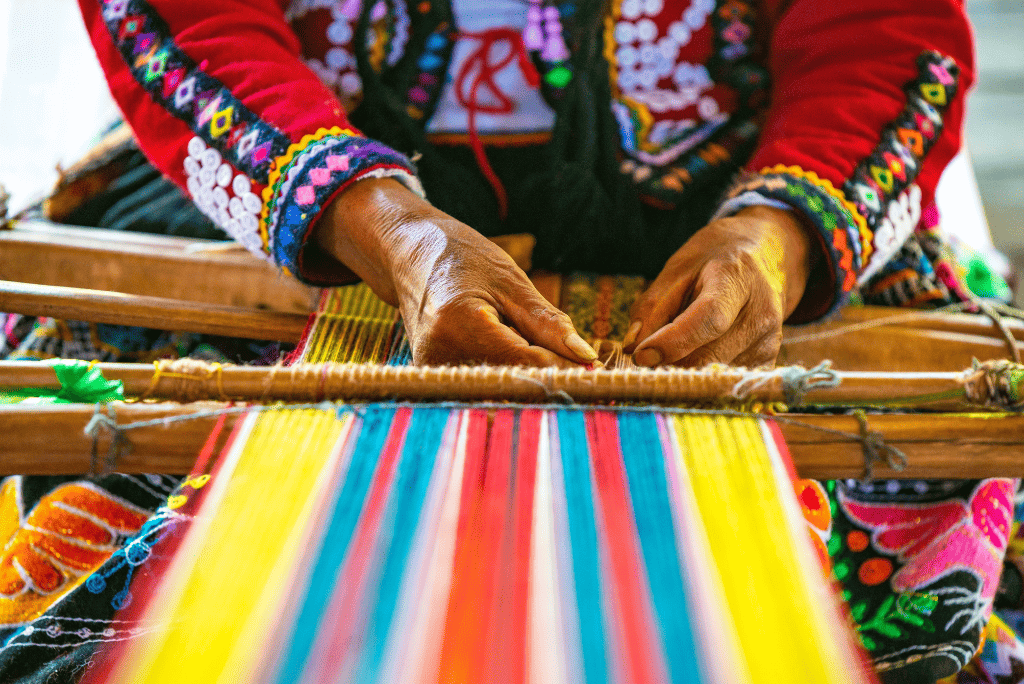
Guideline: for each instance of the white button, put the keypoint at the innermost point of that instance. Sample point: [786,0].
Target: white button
[648,79]
[351,83]
[680,32]
[224,175]
[649,54]
[193,186]
[192,166]
[252,203]
[241,185]
[626,56]
[211,159]
[235,207]
[631,8]
[653,8]
[694,18]
[206,177]
[646,30]
[625,32]
[339,32]
[669,49]
[337,58]
[196,147]
[249,222]
[220,198]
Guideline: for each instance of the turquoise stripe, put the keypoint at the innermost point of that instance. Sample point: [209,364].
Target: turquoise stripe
[648,488]
[586,565]
[415,469]
[376,425]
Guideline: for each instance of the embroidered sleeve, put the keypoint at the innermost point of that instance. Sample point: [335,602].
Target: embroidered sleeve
[220,102]
[867,103]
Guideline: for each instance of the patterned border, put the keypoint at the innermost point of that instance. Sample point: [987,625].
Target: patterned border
[311,172]
[835,218]
[894,165]
[181,86]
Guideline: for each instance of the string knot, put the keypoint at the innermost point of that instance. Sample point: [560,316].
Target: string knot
[796,381]
[876,450]
[119,446]
[996,384]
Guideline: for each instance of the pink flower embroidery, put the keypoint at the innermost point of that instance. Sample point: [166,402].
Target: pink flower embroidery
[936,539]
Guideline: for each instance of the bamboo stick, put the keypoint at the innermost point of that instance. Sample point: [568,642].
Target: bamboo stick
[50,440]
[151,312]
[188,380]
[148,265]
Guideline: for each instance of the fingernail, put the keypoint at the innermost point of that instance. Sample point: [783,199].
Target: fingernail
[634,330]
[647,357]
[578,347]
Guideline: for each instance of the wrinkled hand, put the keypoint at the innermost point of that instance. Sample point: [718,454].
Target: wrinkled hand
[722,297]
[462,299]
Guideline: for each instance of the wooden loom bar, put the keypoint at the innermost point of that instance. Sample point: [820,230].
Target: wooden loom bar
[193,380]
[151,312]
[50,440]
[149,265]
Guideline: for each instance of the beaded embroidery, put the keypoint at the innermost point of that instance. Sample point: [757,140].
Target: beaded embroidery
[882,186]
[187,92]
[309,174]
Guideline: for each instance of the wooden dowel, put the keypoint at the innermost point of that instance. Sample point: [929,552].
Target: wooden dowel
[148,265]
[151,312]
[193,380]
[50,440]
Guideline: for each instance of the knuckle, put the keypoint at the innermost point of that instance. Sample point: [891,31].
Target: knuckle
[716,322]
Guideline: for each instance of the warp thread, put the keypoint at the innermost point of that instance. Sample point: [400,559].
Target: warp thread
[560,396]
[119,447]
[995,384]
[796,381]
[876,450]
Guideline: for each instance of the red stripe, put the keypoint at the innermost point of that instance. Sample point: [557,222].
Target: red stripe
[633,615]
[522,526]
[341,617]
[478,547]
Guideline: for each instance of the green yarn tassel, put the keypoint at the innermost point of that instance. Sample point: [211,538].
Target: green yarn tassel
[80,384]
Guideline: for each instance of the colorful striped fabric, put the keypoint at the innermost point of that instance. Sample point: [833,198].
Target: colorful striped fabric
[480,544]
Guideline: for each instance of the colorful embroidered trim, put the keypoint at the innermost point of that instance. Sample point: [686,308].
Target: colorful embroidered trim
[181,86]
[841,227]
[309,174]
[882,185]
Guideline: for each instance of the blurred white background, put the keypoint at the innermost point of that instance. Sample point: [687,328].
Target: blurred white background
[53,101]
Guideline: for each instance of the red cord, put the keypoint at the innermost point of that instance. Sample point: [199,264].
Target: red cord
[480,58]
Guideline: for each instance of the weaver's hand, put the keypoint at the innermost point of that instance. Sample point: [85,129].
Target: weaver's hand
[723,296]
[462,299]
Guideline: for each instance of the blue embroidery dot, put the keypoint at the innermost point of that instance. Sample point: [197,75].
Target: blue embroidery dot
[96,583]
[435,42]
[137,552]
[429,62]
[121,599]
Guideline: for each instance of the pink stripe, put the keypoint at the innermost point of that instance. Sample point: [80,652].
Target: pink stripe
[631,600]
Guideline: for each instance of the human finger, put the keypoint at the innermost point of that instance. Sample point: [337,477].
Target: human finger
[540,323]
[474,332]
[763,352]
[656,307]
[710,316]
